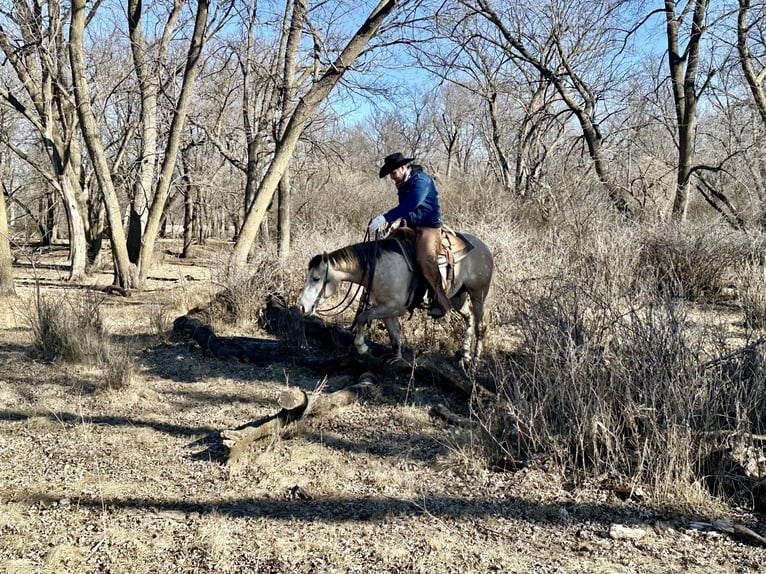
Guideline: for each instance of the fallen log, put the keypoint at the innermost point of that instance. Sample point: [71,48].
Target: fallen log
[279,318]
[740,532]
[245,349]
[737,531]
[295,405]
[442,412]
[328,348]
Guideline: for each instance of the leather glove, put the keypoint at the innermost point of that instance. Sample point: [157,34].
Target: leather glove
[377,223]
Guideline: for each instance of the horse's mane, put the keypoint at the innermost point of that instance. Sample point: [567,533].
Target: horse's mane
[362,254]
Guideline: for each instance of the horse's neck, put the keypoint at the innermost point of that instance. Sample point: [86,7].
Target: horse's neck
[347,266]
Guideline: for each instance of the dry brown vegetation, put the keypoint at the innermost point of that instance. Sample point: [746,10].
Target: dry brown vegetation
[626,361]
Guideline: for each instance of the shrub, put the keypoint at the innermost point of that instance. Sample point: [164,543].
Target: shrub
[70,328]
[118,367]
[691,262]
[751,294]
[606,377]
[246,290]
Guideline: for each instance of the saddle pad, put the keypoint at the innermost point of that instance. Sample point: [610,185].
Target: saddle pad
[455,242]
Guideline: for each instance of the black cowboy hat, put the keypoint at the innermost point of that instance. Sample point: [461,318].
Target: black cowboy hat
[392,162]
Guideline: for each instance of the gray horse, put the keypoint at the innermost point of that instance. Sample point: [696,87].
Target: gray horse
[397,287]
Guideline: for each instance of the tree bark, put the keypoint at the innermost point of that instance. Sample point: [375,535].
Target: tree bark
[754,79]
[188,233]
[41,72]
[149,86]
[683,68]
[6,257]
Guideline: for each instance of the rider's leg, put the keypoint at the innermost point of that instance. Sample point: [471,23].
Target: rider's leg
[427,245]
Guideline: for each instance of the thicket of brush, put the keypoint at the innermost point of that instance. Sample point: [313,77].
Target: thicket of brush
[616,372]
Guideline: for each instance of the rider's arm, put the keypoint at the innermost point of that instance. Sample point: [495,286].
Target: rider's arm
[416,194]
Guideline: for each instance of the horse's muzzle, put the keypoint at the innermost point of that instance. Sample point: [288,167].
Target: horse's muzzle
[307,312]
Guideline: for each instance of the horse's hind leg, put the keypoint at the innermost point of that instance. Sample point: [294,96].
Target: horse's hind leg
[479,325]
[461,304]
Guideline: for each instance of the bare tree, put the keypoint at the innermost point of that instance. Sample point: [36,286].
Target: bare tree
[304,110]
[149,66]
[572,46]
[122,275]
[751,31]
[684,68]
[6,257]
[37,54]
[449,120]
[149,84]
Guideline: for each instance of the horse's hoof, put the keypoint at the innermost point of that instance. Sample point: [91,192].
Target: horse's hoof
[437,313]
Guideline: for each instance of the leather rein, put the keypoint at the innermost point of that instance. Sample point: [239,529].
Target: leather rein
[347,301]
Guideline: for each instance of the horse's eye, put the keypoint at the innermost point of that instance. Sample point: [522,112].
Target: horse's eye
[315,278]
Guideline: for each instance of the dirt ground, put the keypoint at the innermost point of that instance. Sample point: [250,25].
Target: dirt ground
[133,480]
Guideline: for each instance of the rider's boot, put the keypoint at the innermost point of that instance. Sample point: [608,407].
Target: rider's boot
[440,304]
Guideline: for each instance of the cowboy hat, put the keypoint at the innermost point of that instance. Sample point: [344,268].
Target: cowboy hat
[392,162]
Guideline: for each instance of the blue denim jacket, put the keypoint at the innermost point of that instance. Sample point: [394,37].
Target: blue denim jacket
[418,201]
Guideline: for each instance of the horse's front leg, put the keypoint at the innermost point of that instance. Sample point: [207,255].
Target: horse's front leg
[390,317]
[360,324]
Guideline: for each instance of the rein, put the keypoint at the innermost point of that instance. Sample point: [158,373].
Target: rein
[346,302]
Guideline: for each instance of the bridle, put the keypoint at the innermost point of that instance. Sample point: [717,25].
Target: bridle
[346,302]
[340,307]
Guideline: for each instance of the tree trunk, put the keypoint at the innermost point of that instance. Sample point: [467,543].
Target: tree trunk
[148,83]
[303,112]
[188,223]
[497,148]
[162,192]
[6,257]
[47,218]
[754,79]
[683,67]
[78,245]
[96,230]
[92,139]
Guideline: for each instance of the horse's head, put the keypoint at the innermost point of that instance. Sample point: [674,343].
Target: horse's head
[318,286]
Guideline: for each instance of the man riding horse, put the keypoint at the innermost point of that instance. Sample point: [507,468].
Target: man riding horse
[419,208]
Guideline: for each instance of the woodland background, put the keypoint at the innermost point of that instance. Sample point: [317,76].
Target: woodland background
[610,152]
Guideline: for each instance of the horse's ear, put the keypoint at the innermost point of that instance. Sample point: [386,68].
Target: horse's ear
[325,257]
